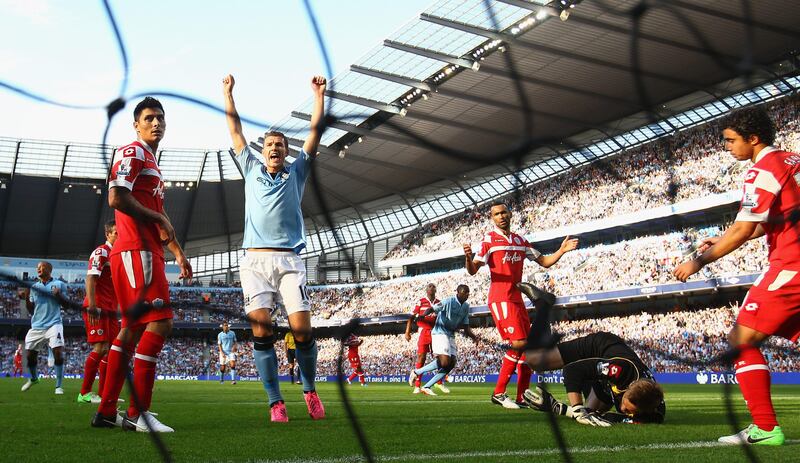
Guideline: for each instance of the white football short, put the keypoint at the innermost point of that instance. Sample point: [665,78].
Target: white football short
[53,335]
[442,344]
[271,277]
[225,359]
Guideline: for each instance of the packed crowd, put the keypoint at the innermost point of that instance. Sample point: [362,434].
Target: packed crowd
[691,164]
[676,341]
[638,262]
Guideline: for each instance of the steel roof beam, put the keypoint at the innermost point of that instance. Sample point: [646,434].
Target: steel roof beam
[402,80]
[361,101]
[514,40]
[432,54]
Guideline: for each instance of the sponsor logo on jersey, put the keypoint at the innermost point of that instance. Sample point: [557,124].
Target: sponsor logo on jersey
[512,257]
[159,190]
[751,175]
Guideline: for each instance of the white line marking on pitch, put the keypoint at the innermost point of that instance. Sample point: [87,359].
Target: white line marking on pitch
[511,453]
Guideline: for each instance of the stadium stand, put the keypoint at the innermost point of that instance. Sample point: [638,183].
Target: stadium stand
[694,335]
[629,182]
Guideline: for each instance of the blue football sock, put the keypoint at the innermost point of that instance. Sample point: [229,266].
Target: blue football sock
[59,374]
[439,375]
[432,366]
[306,353]
[267,365]
[33,369]
[233,374]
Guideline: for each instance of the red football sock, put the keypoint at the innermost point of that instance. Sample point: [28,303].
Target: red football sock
[506,370]
[361,378]
[144,372]
[418,381]
[352,376]
[101,379]
[116,371]
[523,377]
[752,373]
[90,371]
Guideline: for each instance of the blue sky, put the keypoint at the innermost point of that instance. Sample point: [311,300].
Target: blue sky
[66,51]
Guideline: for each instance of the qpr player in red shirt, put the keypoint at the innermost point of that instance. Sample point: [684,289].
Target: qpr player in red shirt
[425,324]
[353,342]
[770,207]
[99,316]
[505,252]
[136,192]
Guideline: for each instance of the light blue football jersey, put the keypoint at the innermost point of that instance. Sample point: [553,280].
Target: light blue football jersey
[273,217]
[47,309]
[450,314]
[226,340]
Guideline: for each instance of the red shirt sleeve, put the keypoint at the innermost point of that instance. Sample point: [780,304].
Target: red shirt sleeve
[128,163]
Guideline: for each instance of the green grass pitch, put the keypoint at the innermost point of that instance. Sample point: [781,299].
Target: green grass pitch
[215,422]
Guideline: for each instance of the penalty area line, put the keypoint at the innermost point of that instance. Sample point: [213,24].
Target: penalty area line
[512,453]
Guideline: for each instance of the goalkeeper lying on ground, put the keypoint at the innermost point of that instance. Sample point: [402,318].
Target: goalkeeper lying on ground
[599,368]
[602,369]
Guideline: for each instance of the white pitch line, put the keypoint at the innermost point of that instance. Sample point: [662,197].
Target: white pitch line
[511,453]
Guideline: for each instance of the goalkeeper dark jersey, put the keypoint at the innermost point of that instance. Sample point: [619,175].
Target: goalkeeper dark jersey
[603,363]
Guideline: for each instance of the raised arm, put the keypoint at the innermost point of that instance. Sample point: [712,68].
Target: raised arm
[569,244]
[470,264]
[234,123]
[318,86]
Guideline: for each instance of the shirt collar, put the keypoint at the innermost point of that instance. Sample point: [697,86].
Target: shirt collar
[109,244]
[765,151]
[146,146]
[500,232]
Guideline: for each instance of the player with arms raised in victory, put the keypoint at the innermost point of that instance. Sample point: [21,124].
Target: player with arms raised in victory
[451,314]
[136,193]
[274,235]
[99,316]
[425,325]
[604,371]
[770,206]
[226,341]
[44,301]
[504,252]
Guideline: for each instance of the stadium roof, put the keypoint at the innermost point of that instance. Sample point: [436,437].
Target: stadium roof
[457,78]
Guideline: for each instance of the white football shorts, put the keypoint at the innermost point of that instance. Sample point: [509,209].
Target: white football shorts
[225,359]
[442,344]
[53,335]
[270,277]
